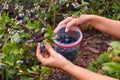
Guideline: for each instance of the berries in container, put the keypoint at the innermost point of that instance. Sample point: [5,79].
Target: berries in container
[67,43]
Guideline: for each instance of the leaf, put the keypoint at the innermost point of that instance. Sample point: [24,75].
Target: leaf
[92,67]
[5,18]
[46,35]
[49,29]
[26,35]
[26,78]
[11,72]
[44,70]
[10,48]
[35,68]
[24,68]
[84,3]
[103,58]
[111,66]
[115,44]
[34,25]
[15,37]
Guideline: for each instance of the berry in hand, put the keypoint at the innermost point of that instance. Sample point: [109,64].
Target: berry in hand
[42,47]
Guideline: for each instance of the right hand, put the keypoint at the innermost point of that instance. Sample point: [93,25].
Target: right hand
[83,20]
[51,58]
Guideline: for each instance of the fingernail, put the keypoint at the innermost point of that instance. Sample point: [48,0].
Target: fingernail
[66,30]
[38,43]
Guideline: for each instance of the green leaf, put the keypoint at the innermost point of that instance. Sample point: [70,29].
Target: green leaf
[26,35]
[2,55]
[5,18]
[47,35]
[103,58]
[115,44]
[24,68]
[84,3]
[11,72]
[44,70]
[49,29]
[111,66]
[51,41]
[1,31]
[26,78]
[15,37]
[34,25]
[92,68]
[35,68]
[10,48]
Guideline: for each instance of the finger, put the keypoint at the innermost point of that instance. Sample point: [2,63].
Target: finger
[38,55]
[64,22]
[49,48]
[72,23]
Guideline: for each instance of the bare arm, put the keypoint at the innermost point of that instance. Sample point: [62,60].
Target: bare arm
[108,26]
[105,25]
[56,60]
[83,74]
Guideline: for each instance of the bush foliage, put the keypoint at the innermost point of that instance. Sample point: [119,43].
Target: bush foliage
[24,23]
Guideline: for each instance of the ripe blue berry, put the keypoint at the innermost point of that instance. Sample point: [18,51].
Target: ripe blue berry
[42,47]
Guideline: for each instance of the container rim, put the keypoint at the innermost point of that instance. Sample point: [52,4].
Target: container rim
[71,45]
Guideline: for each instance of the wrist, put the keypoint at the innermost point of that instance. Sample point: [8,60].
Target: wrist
[92,19]
[67,66]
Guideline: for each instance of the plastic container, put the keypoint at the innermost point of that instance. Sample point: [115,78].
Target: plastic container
[67,43]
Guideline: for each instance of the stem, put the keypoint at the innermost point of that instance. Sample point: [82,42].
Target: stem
[54,14]
[118,2]
[8,36]
[4,75]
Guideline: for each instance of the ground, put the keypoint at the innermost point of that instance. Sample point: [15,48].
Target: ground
[92,45]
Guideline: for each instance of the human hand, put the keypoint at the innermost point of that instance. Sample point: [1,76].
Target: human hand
[83,20]
[50,57]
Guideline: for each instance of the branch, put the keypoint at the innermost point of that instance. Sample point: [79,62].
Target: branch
[118,2]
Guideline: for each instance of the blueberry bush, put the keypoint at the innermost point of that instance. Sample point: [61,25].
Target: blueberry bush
[24,23]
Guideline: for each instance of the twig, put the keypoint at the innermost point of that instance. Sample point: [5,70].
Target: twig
[118,2]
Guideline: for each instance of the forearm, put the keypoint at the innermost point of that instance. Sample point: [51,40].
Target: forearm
[108,26]
[83,74]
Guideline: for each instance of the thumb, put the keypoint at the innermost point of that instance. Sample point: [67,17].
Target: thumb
[49,48]
[38,53]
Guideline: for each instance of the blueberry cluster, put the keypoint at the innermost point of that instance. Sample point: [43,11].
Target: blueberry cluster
[65,38]
[21,19]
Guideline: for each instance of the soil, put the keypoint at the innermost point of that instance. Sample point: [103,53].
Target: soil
[93,44]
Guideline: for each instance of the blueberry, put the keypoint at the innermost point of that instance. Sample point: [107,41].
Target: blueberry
[21,17]
[42,47]
[67,40]
[14,31]
[18,41]
[27,62]
[113,10]
[24,21]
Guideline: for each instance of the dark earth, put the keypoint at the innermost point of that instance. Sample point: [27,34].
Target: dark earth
[93,44]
